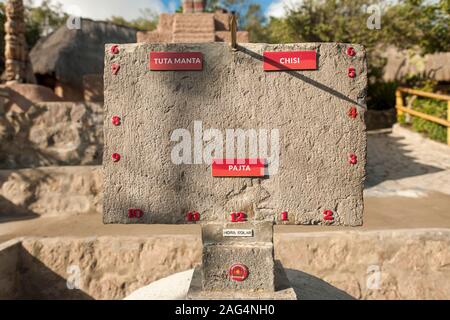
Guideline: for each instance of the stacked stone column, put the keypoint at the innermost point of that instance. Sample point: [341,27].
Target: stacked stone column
[15,43]
[191,6]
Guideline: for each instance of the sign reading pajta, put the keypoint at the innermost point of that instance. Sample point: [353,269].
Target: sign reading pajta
[292,60]
[238,168]
[166,61]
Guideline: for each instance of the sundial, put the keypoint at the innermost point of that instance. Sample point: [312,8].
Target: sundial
[235,140]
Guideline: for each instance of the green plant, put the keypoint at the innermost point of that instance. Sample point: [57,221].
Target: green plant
[381,95]
[430,129]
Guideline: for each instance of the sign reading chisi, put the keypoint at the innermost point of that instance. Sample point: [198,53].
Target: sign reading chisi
[292,60]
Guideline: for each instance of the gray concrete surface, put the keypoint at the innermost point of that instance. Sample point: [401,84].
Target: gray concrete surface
[406,164]
[309,108]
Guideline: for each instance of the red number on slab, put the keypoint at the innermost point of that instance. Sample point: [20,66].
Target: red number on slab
[193,216]
[353,159]
[353,113]
[328,215]
[238,217]
[135,213]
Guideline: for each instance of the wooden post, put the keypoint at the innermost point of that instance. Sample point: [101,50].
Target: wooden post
[398,102]
[448,119]
[233,30]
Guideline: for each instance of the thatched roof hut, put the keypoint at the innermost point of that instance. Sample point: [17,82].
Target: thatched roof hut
[62,59]
[404,63]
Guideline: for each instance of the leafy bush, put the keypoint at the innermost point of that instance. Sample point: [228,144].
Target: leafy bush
[430,129]
[381,95]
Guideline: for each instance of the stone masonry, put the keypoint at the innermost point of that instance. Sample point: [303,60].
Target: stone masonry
[192,27]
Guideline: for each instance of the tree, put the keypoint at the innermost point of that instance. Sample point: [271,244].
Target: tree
[254,22]
[42,20]
[248,14]
[419,23]
[147,21]
[38,20]
[406,24]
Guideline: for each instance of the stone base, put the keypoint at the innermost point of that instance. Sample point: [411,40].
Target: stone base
[257,257]
[283,289]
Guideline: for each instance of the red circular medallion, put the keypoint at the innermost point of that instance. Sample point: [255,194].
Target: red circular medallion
[238,272]
[116,157]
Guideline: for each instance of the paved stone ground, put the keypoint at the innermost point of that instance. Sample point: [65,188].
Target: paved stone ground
[404,163]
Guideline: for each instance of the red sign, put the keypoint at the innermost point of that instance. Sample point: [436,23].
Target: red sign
[292,60]
[164,61]
[238,168]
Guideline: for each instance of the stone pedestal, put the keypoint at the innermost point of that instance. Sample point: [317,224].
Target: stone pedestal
[248,245]
[283,289]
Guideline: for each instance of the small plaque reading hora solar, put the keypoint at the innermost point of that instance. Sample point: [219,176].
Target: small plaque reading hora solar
[292,60]
[238,168]
[166,61]
[237,232]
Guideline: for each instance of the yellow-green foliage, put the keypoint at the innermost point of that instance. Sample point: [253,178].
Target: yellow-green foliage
[430,129]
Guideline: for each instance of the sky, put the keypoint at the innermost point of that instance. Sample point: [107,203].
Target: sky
[130,9]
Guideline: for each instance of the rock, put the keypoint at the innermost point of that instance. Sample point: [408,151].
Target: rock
[52,133]
[51,191]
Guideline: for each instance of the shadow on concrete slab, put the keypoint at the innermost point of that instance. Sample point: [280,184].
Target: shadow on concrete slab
[308,287]
[38,282]
[10,212]
[388,159]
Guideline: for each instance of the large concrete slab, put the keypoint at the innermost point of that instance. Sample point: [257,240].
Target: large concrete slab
[308,108]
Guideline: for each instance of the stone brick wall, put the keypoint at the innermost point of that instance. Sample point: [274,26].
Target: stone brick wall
[413,264]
